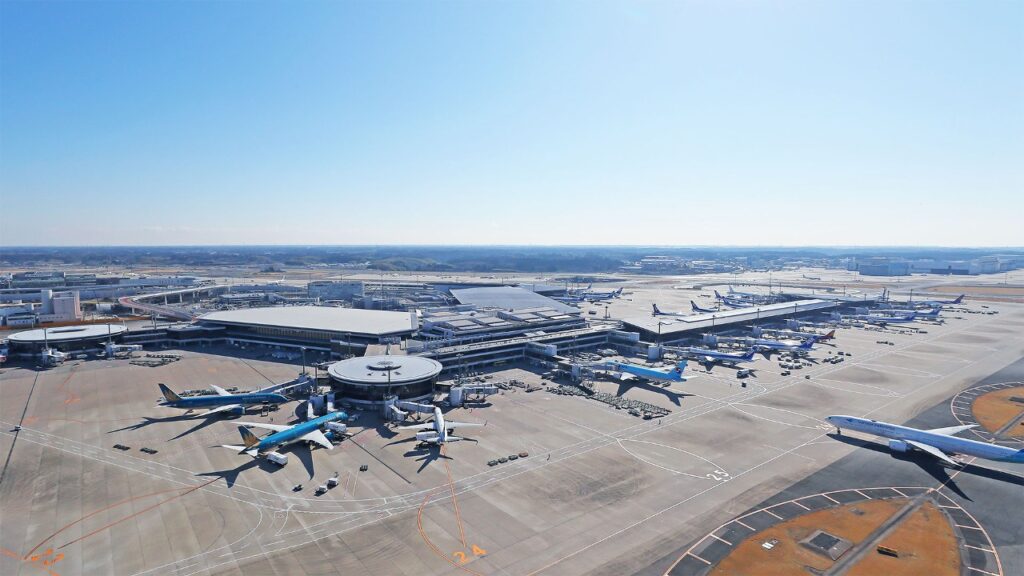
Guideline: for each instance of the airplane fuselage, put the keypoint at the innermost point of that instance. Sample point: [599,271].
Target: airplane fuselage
[213,401]
[295,433]
[950,444]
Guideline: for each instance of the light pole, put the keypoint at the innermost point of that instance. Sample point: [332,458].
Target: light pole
[303,360]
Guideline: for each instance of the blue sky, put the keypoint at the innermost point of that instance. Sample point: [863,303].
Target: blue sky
[672,123]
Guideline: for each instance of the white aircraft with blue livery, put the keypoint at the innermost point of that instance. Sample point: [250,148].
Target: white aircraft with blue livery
[938,442]
[283,435]
[222,401]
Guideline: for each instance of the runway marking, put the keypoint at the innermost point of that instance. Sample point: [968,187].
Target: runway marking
[721,539]
[898,492]
[699,558]
[978,548]
[91,514]
[432,546]
[797,502]
[773,513]
[968,527]
[455,501]
[830,498]
[866,497]
[147,509]
[741,523]
[982,571]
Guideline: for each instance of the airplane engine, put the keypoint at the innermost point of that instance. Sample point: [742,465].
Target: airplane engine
[427,436]
[337,427]
[899,446]
[237,411]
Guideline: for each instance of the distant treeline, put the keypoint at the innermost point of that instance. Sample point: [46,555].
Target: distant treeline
[448,258]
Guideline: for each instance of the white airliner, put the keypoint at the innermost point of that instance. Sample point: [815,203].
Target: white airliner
[939,442]
[438,431]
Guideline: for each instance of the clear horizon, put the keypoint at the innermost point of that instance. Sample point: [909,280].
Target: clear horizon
[784,124]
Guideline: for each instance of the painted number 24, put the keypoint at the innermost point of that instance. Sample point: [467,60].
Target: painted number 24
[461,556]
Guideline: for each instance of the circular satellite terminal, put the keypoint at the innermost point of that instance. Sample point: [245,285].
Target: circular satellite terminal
[68,334]
[376,370]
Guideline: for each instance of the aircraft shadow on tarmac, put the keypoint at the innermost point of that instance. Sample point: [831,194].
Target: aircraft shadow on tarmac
[203,423]
[426,455]
[935,468]
[670,394]
[230,475]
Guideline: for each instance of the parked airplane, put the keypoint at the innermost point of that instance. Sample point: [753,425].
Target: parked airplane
[702,310]
[223,401]
[914,304]
[590,294]
[709,358]
[438,431]
[877,319]
[733,302]
[631,375]
[768,347]
[657,312]
[830,335]
[283,435]
[648,373]
[938,442]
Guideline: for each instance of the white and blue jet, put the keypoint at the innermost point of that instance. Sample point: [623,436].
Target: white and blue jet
[938,442]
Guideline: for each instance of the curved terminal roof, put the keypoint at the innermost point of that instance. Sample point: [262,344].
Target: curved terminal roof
[67,333]
[326,318]
[376,369]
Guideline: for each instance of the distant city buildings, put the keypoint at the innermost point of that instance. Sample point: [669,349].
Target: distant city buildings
[53,307]
[901,267]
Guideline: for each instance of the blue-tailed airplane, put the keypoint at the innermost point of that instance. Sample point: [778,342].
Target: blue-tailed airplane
[630,375]
[283,435]
[733,302]
[877,319]
[655,311]
[939,442]
[700,310]
[768,347]
[222,401]
[708,358]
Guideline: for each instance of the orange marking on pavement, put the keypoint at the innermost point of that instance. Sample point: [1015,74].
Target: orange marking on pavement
[455,502]
[426,539]
[91,514]
[144,510]
[34,562]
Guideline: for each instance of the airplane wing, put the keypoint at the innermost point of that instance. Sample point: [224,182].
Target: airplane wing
[220,391]
[933,451]
[427,426]
[274,427]
[318,437]
[225,408]
[239,448]
[451,424]
[951,430]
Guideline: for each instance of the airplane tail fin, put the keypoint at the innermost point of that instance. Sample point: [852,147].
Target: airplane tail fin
[248,438]
[618,292]
[830,335]
[809,343]
[656,311]
[681,367]
[717,295]
[169,394]
[959,299]
[749,355]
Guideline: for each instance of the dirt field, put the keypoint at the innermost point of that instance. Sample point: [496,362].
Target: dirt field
[926,545]
[995,409]
[854,522]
